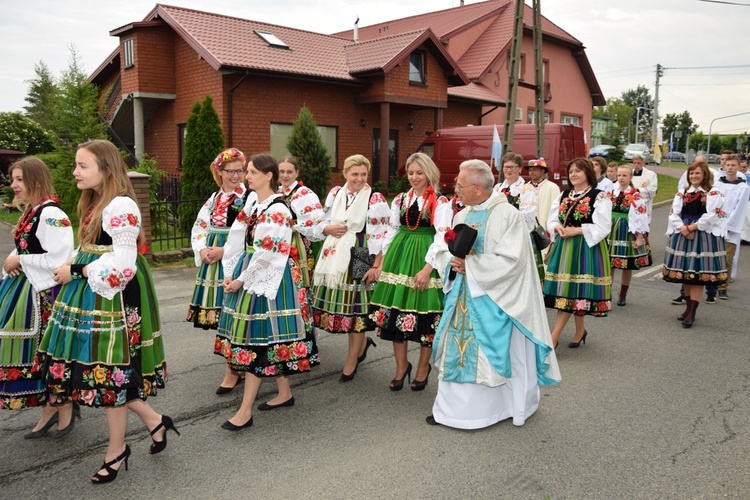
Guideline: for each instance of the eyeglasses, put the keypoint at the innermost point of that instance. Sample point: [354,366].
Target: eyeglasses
[510,167]
[459,186]
[232,173]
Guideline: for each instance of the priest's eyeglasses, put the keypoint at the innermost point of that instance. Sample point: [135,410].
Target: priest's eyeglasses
[459,186]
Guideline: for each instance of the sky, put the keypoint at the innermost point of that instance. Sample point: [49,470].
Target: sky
[698,42]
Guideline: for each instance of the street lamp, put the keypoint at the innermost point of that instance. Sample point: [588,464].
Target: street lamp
[708,149]
[638,120]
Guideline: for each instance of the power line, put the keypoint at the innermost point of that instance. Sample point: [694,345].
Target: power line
[701,84]
[713,67]
[726,3]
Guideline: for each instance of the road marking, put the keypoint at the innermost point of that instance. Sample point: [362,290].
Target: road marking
[646,272]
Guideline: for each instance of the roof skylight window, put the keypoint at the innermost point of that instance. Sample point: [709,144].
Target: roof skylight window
[272,40]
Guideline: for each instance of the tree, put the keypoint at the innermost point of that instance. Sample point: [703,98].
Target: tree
[678,122]
[21,133]
[698,141]
[618,109]
[635,98]
[204,140]
[307,147]
[76,120]
[42,96]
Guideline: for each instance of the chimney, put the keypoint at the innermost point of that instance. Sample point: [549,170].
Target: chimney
[356,30]
[462,3]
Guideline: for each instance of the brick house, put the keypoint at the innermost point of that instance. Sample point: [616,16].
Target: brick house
[378,95]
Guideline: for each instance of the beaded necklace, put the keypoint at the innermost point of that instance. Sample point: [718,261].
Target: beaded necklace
[408,206]
[27,217]
[87,218]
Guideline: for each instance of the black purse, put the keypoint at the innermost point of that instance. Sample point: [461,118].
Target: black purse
[360,262]
[539,235]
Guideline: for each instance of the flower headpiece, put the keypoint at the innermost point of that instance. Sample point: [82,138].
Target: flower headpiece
[228,155]
[538,162]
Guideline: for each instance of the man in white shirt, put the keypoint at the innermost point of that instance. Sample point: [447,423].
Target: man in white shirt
[646,182]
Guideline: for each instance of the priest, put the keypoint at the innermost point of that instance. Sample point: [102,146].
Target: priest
[492,348]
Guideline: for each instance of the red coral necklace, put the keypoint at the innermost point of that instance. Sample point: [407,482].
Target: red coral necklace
[408,208]
[27,216]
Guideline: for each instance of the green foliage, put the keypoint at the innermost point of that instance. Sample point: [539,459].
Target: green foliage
[61,163]
[616,155]
[42,97]
[640,96]
[617,132]
[678,121]
[397,184]
[204,140]
[24,134]
[150,167]
[306,145]
[698,141]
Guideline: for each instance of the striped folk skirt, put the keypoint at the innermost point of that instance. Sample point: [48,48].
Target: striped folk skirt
[343,308]
[268,337]
[700,261]
[208,294]
[579,277]
[102,352]
[24,314]
[399,311]
[622,250]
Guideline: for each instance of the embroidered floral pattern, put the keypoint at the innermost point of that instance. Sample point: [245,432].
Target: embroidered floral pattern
[124,220]
[580,307]
[52,222]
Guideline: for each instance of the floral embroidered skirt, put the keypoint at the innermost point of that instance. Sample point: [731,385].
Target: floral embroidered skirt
[343,308]
[700,261]
[24,314]
[305,258]
[268,337]
[579,277]
[622,250]
[208,294]
[102,352]
[399,311]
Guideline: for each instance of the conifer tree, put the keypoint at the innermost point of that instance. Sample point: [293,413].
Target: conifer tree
[204,140]
[307,147]
[42,96]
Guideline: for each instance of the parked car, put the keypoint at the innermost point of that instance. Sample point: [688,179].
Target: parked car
[638,149]
[674,156]
[712,158]
[601,150]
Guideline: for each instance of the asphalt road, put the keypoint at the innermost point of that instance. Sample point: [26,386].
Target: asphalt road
[646,409]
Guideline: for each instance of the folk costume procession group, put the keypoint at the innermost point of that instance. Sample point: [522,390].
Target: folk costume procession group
[466,279]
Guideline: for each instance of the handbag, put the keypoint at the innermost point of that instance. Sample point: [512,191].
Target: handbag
[539,235]
[360,262]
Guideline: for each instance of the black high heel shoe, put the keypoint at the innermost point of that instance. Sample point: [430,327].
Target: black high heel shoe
[75,413]
[347,378]
[111,473]
[168,425]
[573,345]
[41,432]
[369,343]
[398,384]
[419,385]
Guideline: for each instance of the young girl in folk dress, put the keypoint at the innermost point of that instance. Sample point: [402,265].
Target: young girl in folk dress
[695,254]
[355,217]
[579,277]
[408,299]
[306,211]
[208,237]
[43,242]
[102,346]
[265,328]
[627,249]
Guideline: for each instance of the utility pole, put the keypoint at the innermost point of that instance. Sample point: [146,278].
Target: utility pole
[655,123]
[514,65]
[538,79]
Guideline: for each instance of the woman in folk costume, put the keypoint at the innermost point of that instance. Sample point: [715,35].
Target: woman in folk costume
[523,197]
[102,346]
[356,218]
[408,298]
[208,237]
[579,274]
[306,210]
[265,329]
[695,254]
[627,245]
[43,241]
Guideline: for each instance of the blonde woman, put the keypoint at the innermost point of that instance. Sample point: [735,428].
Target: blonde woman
[356,217]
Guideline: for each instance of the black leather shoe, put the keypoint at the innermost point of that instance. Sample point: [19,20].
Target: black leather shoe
[431,420]
[266,406]
[41,432]
[368,343]
[226,390]
[347,378]
[231,427]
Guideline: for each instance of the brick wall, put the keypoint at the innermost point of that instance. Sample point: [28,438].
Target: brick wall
[140,185]
[154,69]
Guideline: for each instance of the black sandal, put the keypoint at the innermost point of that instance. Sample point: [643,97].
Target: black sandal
[111,473]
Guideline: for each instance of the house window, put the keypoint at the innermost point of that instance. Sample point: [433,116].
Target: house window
[531,116]
[181,134]
[280,133]
[417,68]
[521,66]
[128,54]
[571,120]
[272,40]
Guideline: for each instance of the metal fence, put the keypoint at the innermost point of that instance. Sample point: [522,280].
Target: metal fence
[167,231]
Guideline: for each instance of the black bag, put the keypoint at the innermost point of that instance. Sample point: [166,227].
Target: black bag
[360,262]
[539,235]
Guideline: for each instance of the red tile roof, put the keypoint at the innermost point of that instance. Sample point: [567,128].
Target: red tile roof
[475,92]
